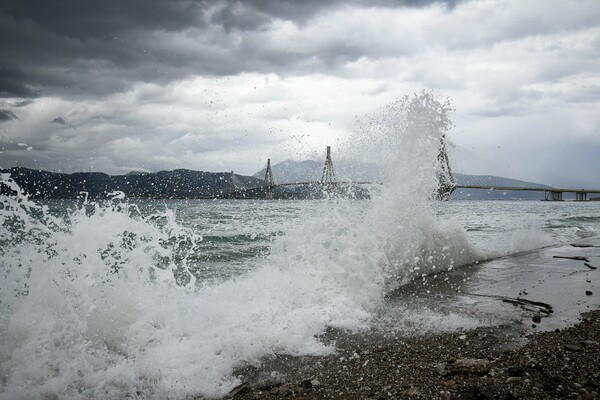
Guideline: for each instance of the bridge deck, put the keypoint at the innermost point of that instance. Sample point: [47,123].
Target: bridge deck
[556,192]
[320,183]
[530,189]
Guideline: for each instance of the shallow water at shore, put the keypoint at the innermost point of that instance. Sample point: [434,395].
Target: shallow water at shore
[544,289]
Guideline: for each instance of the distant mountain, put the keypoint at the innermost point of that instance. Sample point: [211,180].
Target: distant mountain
[180,183]
[290,171]
[495,182]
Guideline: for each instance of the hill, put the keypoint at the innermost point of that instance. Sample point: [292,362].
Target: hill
[179,183]
[495,181]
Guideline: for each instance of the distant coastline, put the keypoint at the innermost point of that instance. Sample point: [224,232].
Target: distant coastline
[176,184]
[190,184]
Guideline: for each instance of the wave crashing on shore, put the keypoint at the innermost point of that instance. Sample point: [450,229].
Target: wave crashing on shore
[101,303]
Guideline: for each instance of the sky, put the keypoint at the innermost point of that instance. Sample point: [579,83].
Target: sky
[149,85]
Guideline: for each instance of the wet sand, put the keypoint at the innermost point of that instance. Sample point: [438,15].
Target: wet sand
[537,337]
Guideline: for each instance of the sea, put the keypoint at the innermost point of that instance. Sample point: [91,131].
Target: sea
[154,299]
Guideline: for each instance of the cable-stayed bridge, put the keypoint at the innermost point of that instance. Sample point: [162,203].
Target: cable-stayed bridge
[447,184]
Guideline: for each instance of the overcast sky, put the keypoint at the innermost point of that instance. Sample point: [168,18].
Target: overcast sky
[121,85]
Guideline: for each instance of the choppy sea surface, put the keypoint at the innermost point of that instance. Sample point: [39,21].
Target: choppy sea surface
[238,234]
[167,299]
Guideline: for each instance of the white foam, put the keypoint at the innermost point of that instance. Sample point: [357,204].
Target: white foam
[415,322]
[530,239]
[101,320]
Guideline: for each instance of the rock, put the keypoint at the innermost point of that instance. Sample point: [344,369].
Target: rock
[315,382]
[515,371]
[267,381]
[492,391]
[588,293]
[239,389]
[305,384]
[537,319]
[283,390]
[477,366]
[413,391]
[573,348]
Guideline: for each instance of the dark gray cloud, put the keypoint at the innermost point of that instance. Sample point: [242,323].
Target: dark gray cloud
[7,115]
[13,81]
[86,20]
[77,48]
[71,46]
[239,16]
[301,11]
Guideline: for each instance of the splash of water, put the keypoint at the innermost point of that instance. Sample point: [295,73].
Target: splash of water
[101,304]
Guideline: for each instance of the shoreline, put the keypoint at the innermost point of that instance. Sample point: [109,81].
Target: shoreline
[538,338]
[564,363]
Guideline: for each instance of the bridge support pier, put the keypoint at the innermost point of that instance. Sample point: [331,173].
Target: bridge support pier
[269,181]
[328,177]
[231,188]
[557,196]
[446,181]
[580,196]
[552,195]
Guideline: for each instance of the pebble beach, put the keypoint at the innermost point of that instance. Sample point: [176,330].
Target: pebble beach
[479,364]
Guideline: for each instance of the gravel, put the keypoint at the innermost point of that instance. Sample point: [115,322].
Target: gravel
[484,363]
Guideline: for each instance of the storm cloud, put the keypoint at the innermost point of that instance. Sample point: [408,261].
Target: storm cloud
[220,85]
[82,48]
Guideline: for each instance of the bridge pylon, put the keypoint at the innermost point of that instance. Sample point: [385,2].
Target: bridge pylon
[231,188]
[446,180]
[328,177]
[269,181]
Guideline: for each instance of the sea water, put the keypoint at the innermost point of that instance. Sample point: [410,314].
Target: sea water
[167,299]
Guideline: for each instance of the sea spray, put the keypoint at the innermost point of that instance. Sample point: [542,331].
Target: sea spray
[403,139]
[78,287]
[103,304]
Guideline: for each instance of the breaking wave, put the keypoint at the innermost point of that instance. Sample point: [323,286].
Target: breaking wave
[102,302]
